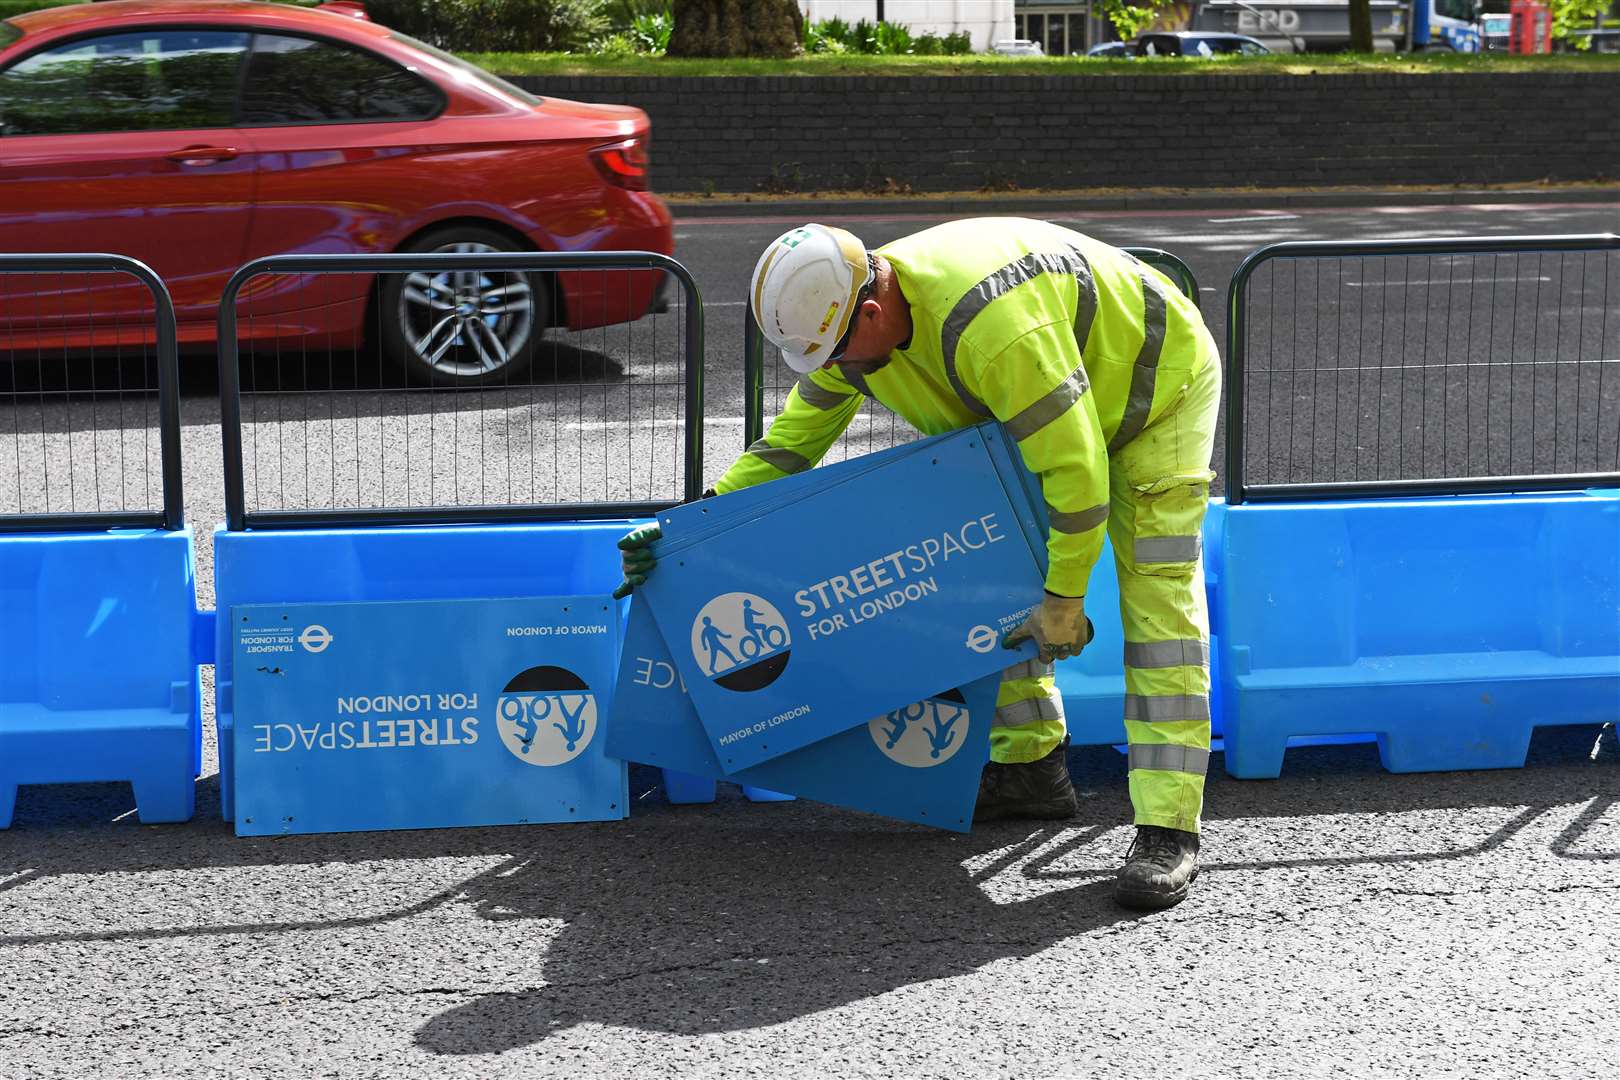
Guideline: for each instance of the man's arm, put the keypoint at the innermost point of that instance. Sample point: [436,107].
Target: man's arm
[818,409]
[1038,389]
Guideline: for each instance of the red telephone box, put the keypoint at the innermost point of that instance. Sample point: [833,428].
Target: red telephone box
[1529,27]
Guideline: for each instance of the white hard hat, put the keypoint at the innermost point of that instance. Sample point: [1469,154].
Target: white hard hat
[805,289]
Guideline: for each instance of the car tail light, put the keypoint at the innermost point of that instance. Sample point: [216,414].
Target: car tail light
[623,164]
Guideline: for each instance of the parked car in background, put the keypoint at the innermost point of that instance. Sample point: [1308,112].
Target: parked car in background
[1114,50]
[1017,47]
[1197,43]
[1493,32]
[197,135]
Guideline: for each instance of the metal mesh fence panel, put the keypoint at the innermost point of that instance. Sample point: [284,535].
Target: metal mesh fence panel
[84,404]
[427,400]
[1375,366]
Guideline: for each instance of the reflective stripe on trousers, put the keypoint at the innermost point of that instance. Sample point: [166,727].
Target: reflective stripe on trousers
[1029,714]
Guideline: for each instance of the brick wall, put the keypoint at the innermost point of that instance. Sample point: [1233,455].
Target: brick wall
[953,134]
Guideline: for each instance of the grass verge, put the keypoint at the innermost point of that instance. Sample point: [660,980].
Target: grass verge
[1279,64]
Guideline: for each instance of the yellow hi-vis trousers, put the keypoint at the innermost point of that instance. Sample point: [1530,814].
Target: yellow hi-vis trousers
[1158,494]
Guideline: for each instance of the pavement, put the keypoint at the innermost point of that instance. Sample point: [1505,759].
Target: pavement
[1348,923]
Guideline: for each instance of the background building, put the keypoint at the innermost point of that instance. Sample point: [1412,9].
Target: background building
[1063,27]
[988,21]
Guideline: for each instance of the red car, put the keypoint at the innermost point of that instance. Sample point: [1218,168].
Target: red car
[196,136]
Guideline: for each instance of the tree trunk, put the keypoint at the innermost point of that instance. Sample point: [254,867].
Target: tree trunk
[763,28]
[1361,35]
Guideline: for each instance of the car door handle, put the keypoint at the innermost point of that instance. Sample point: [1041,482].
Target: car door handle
[203,155]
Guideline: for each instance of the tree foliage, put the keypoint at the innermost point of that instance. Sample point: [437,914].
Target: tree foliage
[1571,15]
[1131,19]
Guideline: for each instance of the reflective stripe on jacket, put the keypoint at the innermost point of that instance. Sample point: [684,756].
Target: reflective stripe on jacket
[1074,345]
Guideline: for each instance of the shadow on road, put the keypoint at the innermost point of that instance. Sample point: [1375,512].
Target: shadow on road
[735,916]
[267,370]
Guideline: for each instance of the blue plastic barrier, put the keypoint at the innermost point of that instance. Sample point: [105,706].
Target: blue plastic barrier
[398,563]
[684,789]
[98,610]
[103,641]
[1093,683]
[1447,627]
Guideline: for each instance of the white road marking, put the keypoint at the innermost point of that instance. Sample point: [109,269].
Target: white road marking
[1454,281]
[1245,220]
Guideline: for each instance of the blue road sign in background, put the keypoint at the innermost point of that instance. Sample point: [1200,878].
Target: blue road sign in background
[869,589]
[422,714]
[920,762]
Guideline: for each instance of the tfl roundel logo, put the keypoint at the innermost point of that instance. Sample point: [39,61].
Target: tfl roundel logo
[924,734]
[741,641]
[546,716]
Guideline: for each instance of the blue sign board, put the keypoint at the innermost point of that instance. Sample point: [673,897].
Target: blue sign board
[422,714]
[920,762]
[846,595]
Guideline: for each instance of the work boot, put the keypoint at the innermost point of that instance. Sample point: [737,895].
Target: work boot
[1158,870]
[1035,789]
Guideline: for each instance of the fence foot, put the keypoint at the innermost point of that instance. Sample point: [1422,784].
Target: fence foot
[682,788]
[1254,759]
[165,800]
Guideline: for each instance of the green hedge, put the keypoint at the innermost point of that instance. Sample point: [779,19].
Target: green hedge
[8,8]
[497,25]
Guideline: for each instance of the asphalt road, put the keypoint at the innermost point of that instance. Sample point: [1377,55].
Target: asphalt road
[1349,922]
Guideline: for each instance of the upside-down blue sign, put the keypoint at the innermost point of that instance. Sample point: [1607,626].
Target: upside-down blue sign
[849,595]
[421,714]
[919,762]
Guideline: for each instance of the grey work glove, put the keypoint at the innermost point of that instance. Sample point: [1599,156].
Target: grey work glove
[1059,627]
[635,553]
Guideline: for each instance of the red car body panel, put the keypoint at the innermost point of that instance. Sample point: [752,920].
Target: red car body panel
[489,157]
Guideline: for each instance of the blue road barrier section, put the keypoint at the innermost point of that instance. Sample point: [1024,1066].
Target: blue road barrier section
[99,626]
[786,631]
[424,714]
[822,636]
[101,678]
[920,762]
[1448,627]
[391,564]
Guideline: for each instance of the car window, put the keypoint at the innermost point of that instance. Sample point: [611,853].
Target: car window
[472,69]
[299,80]
[1204,49]
[1253,48]
[147,80]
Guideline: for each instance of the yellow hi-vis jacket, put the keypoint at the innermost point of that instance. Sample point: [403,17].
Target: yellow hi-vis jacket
[1074,345]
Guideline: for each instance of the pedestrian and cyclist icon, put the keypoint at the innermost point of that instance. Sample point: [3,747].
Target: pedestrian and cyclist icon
[546,716]
[924,733]
[737,633]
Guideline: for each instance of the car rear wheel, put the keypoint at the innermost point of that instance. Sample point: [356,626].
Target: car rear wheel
[462,327]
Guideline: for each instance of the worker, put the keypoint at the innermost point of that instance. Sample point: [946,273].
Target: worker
[1109,381]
